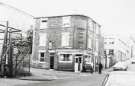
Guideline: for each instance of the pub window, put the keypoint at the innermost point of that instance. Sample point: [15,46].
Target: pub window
[66,57]
[42,57]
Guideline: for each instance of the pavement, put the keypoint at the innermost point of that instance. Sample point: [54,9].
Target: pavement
[48,75]
[14,82]
[43,75]
[94,79]
[88,79]
[107,70]
[39,75]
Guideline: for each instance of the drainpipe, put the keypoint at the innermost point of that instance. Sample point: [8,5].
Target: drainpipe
[93,49]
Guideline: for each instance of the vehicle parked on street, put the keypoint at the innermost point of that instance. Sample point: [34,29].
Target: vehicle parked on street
[120,66]
[119,78]
[88,68]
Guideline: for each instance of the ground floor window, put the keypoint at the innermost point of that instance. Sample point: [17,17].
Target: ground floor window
[42,56]
[65,57]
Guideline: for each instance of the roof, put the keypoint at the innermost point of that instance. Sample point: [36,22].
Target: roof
[69,15]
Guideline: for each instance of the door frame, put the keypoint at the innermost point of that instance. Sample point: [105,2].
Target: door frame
[78,63]
[52,58]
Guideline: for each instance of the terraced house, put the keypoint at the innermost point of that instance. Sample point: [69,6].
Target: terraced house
[66,42]
[116,49]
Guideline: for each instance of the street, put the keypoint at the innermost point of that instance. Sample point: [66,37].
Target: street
[131,67]
[69,79]
[62,79]
[92,80]
[121,78]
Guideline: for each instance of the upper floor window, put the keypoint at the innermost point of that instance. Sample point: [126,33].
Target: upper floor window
[97,28]
[89,42]
[66,21]
[43,24]
[90,25]
[65,39]
[42,39]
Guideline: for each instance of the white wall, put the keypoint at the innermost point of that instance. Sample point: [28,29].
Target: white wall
[120,48]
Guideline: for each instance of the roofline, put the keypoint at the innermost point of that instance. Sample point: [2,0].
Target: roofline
[62,16]
[69,15]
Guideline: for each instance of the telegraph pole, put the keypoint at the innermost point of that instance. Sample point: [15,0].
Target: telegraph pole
[4,51]
[10,62]
[6,66]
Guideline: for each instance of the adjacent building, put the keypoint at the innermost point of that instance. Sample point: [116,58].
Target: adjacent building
[66,42]
[116,50]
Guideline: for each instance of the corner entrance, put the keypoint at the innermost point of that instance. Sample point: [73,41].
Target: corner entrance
[78,63]
[51,60]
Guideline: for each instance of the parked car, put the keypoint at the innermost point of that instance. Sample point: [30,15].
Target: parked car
[120,66]
[119,78]
[133,60]
[88,68]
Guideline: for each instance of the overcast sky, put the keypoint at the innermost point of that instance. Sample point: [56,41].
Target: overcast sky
[115,16]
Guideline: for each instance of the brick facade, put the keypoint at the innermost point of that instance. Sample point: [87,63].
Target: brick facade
[76,31]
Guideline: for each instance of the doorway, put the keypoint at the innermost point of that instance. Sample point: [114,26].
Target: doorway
[78,63]
[51,60]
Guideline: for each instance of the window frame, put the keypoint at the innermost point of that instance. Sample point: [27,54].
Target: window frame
[63,58]
[41,59]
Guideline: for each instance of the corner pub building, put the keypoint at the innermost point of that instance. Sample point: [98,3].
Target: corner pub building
[65,42]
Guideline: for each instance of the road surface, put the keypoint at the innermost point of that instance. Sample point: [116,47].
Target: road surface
[92,80]
[131,67]
[122,78]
